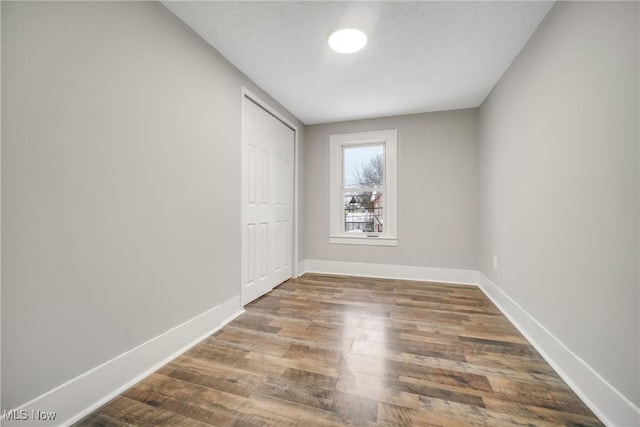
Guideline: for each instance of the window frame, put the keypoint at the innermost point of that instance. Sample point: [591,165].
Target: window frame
[389,139]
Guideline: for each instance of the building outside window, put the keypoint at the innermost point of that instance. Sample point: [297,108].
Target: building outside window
[363,188]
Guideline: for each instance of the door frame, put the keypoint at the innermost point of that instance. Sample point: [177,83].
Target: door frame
[252,97]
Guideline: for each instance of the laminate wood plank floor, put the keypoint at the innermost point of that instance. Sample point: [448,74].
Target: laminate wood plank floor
[333,350]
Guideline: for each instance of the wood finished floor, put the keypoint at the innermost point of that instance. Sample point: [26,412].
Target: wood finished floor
[331,350]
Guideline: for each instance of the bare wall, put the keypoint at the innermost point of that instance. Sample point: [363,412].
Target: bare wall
[559,191]
[120,184]
[437,191]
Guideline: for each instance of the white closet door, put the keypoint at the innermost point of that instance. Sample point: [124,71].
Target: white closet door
[267,201]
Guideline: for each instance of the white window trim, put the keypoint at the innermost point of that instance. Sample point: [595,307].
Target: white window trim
[389,236]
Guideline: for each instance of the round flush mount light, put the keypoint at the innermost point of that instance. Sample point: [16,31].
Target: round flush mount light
[348,40]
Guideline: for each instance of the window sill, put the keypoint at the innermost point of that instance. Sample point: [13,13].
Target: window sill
[363,240]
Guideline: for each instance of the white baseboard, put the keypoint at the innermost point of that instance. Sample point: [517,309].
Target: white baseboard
[390,271]
[80,396]
[85,393]
[302,267]
[611,406]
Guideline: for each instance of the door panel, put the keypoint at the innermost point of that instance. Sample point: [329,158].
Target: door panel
[267,205]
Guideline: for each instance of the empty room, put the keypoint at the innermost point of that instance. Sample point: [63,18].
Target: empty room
[287,213]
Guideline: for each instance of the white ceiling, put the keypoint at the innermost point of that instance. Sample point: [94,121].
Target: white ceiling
[421,55]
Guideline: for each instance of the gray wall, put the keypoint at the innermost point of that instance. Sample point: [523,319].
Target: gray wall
[120,184]
[560,184]
[437,191]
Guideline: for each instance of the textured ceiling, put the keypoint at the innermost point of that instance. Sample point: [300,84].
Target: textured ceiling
[420,57]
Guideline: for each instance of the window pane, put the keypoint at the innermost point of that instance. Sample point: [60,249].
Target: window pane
[363,211]
[363,166]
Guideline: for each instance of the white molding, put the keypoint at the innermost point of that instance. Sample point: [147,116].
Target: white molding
[337,142]
[606,402]
[85,393]
[364,240]
[302,267]
[246,93]
[611,406]
[390,271]
[255,98]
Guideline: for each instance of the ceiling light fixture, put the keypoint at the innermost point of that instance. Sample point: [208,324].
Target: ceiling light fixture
[347,40]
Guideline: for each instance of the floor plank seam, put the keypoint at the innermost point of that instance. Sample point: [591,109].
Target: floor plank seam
[339,350]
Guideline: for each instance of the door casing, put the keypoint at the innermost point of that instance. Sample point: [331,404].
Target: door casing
[248,96]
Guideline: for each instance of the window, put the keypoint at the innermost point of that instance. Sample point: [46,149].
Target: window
[363,204]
